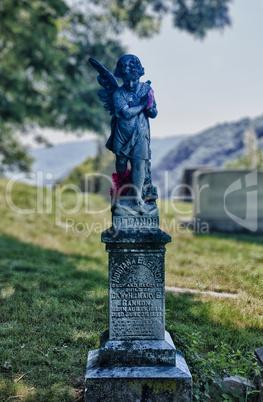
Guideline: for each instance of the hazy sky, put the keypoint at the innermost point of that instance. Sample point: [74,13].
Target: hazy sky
[200,83]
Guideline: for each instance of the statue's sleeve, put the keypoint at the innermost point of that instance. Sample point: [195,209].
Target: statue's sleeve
[152,112]
[119,102]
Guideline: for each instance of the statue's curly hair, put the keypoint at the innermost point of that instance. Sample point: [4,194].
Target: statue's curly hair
[128,64]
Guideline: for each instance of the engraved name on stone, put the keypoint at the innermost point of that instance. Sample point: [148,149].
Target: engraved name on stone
[136,295]
[136,222]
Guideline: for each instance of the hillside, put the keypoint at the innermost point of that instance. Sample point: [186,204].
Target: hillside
[212,147]
[61,159]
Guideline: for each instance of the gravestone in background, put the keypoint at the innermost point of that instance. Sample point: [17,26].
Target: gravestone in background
[229,200]
[186,190]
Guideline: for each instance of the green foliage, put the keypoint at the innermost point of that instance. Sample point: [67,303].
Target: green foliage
[195,17]
[253,158]
[45,78]
[209,364]
[100,183]
[212,348]
[44,75]
[244,162]
[13,154]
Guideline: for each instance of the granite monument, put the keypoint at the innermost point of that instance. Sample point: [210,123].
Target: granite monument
[137,359]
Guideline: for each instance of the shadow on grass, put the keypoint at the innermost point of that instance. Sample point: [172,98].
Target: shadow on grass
[28,262]
[53,307]
[214,319]
[213,346]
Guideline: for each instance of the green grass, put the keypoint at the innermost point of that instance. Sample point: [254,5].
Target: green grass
[54,297]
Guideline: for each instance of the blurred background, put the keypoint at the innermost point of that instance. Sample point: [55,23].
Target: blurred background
[203,59]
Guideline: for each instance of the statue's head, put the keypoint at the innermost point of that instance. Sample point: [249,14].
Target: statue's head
[129,66]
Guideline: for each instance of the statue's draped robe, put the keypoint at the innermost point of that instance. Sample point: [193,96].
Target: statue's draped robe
[131,137]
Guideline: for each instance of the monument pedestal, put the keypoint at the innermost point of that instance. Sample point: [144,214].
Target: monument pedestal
[132,384]
[137,359]
[137,352]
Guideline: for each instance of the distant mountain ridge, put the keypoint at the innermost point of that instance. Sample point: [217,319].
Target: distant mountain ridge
[61,159]
[212,147]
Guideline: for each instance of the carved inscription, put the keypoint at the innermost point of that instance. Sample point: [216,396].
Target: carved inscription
[137,297]
[136,222]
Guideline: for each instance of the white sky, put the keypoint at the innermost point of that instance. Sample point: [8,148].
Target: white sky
[197,83]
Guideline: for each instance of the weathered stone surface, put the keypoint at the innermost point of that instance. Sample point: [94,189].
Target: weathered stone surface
[234,383]
[125,207]
[137,360]
[116,237]
[137,353]
[135,222]
[136,295]
[229,200]
[186,189]
[259,354]
[259,385]
[136,285]
[152,384]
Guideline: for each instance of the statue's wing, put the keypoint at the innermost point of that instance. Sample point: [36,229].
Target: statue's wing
[108,82]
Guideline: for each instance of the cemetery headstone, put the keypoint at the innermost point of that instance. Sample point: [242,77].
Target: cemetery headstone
[229,200]
[137,359]
[186,189]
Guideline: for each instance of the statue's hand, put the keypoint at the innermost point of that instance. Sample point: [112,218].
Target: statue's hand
[150,99]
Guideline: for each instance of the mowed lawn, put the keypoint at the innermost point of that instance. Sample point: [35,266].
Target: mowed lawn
[54,294]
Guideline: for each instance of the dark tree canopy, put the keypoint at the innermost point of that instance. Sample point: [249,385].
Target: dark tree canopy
[45,78]
[193,16]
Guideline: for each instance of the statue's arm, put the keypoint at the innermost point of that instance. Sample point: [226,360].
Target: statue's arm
[129,112]
[126,110]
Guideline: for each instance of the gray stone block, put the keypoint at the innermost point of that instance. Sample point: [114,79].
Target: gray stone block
[260,387]
[136,284]
[113,236]
[136,384]
[238,384]
[137,360]
[259,354]
[234,383]
[137,353]
[229,200]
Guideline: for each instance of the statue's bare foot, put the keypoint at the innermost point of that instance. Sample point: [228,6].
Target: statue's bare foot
[139,201]
[139,205]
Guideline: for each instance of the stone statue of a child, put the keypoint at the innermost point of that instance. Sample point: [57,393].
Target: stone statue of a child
[131,105]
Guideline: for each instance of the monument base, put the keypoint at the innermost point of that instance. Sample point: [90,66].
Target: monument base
[130,384]
[137,360]
[137,353]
